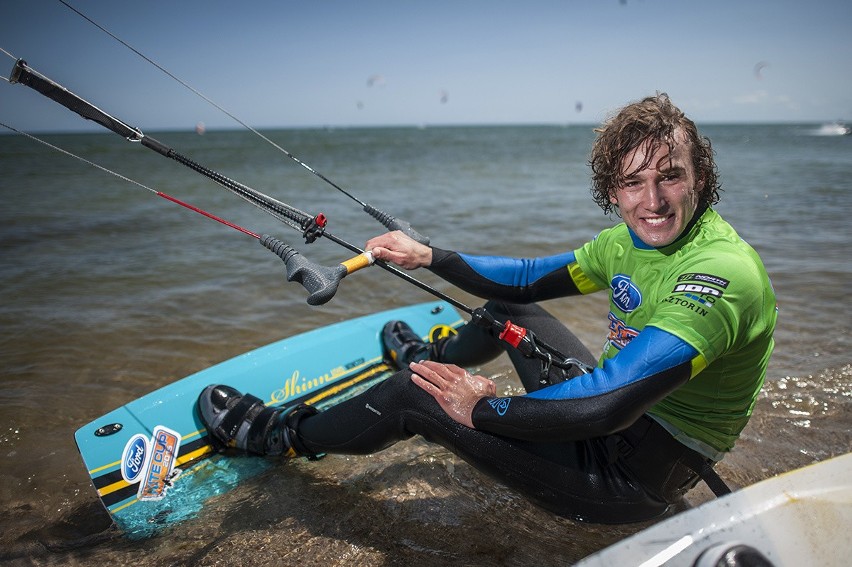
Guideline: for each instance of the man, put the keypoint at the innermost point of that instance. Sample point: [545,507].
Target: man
[691,318]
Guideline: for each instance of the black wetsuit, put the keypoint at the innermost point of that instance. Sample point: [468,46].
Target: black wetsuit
[609,479]
[588,448]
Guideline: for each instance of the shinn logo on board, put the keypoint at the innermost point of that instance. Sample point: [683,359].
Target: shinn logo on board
[625,295]
[297,385]
[151,463]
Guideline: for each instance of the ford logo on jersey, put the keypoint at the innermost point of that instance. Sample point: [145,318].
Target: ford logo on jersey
[625,295]
[133,458]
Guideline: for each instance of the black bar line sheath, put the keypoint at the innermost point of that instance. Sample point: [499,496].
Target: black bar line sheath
[24,75]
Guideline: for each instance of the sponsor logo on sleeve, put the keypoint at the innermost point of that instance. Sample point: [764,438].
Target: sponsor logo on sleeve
[624,293]
[704,278]
[696,297]
[619,333]
[697,288]
[500,405]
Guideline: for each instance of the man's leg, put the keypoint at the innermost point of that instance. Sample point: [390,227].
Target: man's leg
[583,479]
[573,479]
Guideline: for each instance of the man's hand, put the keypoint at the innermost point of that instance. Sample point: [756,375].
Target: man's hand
[400,249]
[454,388]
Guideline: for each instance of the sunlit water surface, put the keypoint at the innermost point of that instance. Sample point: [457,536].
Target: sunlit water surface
[110,292]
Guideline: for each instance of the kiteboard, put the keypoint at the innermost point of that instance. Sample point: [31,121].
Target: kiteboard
[151,460]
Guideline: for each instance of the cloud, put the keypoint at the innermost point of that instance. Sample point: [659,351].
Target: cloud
[763,98]
[756,97]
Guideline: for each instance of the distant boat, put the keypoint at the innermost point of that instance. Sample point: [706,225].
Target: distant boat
[834,129]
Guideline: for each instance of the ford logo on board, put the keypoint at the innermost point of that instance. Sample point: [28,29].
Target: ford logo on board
[625,295]
[133,458]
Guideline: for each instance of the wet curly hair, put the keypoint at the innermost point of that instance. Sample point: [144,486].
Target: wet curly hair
[653,121]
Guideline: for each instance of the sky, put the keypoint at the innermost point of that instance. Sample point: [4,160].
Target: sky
[288,64]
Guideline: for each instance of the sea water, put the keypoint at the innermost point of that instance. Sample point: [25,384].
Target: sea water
[110,292]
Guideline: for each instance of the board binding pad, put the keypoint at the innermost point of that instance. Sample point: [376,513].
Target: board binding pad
[151,460]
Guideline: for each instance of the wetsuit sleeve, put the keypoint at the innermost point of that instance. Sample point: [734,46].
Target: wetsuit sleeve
[516,280]
[610,398]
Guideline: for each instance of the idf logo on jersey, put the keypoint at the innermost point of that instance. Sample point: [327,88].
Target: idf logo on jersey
[697,288]
[698,292]
[701,287]
[624,293]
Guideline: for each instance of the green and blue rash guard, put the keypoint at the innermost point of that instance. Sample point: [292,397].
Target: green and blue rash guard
[690,334]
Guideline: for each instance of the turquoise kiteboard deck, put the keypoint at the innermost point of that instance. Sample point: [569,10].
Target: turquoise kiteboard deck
[151,460]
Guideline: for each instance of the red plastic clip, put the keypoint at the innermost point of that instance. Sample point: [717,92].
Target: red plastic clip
[313,228]
[513,334]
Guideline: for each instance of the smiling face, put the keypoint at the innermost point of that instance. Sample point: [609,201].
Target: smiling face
[659,192]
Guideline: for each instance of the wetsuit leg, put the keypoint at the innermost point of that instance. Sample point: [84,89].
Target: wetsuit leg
[580,480]
[475,345]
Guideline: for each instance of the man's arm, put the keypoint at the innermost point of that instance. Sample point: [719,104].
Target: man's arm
[612,397]
[491,277]
[509,279]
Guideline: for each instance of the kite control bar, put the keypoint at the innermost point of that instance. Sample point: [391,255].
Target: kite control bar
[321,282]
